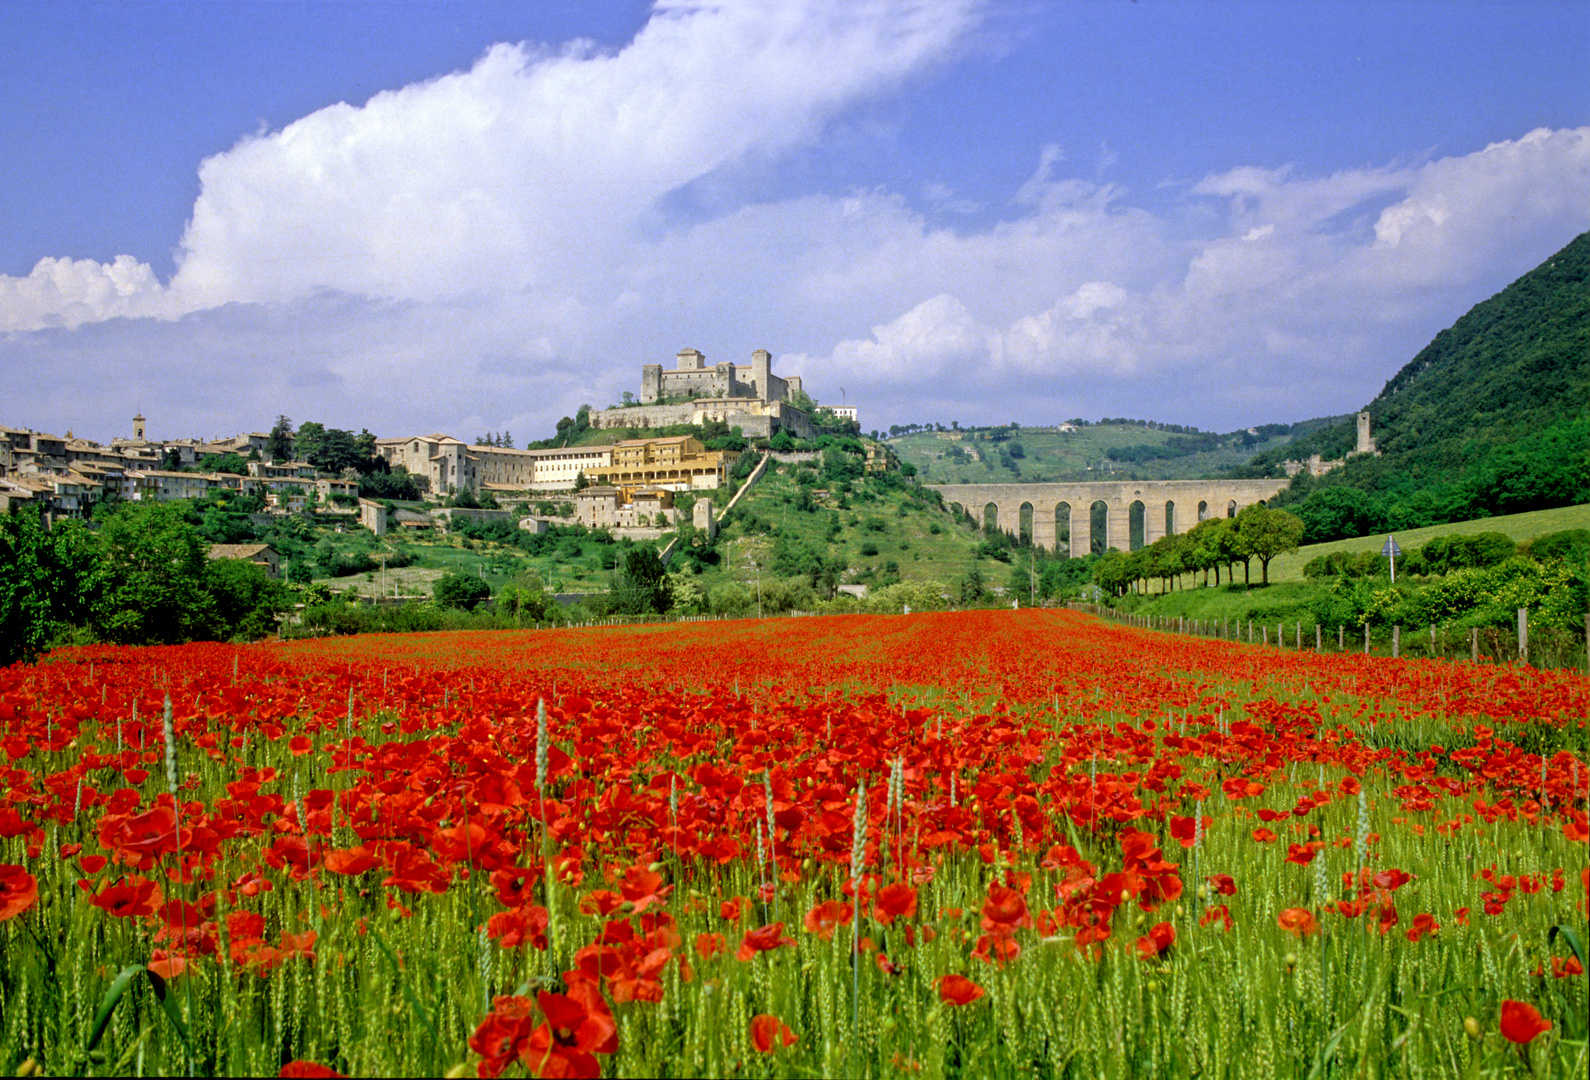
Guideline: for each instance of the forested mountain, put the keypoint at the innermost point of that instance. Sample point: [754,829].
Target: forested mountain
[1492,417]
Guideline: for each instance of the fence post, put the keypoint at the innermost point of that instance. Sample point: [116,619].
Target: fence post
[1587,642]
[1297,637]
[1523,635]
[1474,644]
[1319,638]
[1396,642]
[1250,631]
[1366,639]
[1341,638]
[1432,640]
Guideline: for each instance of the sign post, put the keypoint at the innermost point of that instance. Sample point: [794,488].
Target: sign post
[1391,551]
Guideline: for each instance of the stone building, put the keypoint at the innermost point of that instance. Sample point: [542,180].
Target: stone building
[446,465]
[262,555]
[607,507]
[678,463]
[749,397]
[1317,466]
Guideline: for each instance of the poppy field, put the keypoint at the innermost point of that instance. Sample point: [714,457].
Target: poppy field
[982,843]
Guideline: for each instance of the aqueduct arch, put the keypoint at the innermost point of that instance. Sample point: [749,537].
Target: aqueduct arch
[1096,516]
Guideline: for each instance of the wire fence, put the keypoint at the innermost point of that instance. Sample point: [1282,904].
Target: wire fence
[1536,646]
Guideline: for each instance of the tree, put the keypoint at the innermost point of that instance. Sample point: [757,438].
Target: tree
[1266,533]
[279,446]
[171,459]
[525,597]
[1207,547]
[247,599]
[156,590]
[47,582]
[463,591]
[307,443]
[641,585]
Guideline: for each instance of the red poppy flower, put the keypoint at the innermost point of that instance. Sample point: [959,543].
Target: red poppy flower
[1263,835]
[1302,854]
[1219,913]
[521,926]
[1423,925]
[710,945]
[644,887]
[1521,1021]
[762,939]
[1299,921]
[1238,788]
[1004,910]
[1224,884]
[578,1026]
[1157,941]
[1000,948]
[822,919]
[503,1034]
[895,901]
[130,897]
[19,891]
[769,1032]
[167,965]
[302,1068]
[300,745]
[958,990]
[350,861]
[1185,830]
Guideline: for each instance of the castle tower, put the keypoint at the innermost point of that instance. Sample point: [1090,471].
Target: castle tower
[761,369]
[1366,445]
[138,427]
[691,360]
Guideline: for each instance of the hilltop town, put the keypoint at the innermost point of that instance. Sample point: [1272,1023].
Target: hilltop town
[614,482]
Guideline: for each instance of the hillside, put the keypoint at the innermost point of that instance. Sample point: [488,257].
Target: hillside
[1106,450]
[1492,417]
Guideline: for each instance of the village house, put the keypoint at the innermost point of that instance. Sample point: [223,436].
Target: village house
[261,555]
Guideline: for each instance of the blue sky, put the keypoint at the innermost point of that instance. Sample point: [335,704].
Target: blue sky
[470,217]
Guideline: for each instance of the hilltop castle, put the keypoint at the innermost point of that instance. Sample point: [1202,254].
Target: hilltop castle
[750,398]
[1316,466]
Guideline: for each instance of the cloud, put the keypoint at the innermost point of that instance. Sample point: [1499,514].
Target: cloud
[531,170]
[1304,294]
[71,292]
[493,247]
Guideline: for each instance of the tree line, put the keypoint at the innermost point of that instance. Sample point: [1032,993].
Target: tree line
[143,577]
[1257,532]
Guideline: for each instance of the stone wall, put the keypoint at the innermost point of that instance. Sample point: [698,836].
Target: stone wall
[1169,506]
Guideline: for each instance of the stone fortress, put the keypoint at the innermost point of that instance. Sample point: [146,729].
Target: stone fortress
[750,398]
[1316,466]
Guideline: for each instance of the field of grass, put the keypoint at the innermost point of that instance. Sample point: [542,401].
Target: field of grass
[876,529]
[1052,454]
[1520,527]
[949,845]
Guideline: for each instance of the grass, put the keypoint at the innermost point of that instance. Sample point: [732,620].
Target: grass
[1520,527]
[401,979]
[925,542]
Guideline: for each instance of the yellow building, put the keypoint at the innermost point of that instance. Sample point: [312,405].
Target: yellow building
[678,463]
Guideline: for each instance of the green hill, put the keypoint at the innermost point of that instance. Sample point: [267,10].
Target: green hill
[1078,450]
[1492,417]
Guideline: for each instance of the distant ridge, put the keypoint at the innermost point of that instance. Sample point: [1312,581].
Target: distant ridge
[1493,416]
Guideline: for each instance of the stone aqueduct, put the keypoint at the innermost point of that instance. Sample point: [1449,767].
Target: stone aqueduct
[1063,514]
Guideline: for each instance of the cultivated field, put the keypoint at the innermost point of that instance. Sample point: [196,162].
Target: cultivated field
[963,844]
